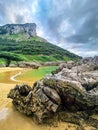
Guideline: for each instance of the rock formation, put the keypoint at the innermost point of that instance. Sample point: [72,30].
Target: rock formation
[32,65]
[71,93]
[29,29]
[90,60]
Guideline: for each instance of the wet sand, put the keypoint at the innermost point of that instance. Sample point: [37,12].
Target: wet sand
[7,69]
[11,119]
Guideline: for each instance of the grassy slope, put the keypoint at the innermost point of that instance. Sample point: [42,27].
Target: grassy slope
[34,49]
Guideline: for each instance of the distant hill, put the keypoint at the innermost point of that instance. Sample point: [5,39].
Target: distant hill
[22,39]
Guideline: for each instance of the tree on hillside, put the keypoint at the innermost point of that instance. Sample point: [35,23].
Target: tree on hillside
[10,57]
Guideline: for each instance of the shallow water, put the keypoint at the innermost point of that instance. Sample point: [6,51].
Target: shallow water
[31,76]
[6,77]
[28,76]
[17,121]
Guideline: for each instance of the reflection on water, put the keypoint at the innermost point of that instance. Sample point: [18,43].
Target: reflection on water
[18,121]
[3,113]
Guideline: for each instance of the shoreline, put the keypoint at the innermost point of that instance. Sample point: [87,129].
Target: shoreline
[15,76]
[18,71]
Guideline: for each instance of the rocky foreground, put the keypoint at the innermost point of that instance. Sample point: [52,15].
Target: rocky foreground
[69,94]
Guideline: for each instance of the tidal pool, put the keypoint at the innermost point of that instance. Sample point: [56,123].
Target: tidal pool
[25,75]
[31,76]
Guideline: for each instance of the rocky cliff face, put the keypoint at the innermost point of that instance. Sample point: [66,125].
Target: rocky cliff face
[29,29]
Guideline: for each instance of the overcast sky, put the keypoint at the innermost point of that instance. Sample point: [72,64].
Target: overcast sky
[70,24]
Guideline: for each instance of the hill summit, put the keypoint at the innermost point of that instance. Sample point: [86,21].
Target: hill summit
[29,29]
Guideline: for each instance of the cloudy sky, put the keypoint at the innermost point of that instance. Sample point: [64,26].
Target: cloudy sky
[70,24]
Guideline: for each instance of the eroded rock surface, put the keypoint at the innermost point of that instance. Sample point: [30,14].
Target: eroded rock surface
[71,90]
[39,101]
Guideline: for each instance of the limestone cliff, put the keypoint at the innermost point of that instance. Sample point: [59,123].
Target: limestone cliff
[29,29]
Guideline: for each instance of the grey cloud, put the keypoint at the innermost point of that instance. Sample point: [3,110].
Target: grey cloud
[17,11]
[81,18]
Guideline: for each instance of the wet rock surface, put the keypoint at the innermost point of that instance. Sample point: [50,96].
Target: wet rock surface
[70,94]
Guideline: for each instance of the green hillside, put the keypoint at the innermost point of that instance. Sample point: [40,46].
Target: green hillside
[33,49]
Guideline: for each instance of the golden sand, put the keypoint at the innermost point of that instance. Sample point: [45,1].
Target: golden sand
[6,69]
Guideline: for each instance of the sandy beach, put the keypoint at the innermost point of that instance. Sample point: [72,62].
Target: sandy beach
[11,119]
[6,69]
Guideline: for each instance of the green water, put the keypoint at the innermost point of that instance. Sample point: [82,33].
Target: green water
[34,75]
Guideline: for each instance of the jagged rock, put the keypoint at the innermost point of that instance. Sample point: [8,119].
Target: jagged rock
[87,64]
[71,89]
[13,65]
[74,90]
[34,101]
[32,65]
[68,65]
[50,63]
[90,60]
[29,29]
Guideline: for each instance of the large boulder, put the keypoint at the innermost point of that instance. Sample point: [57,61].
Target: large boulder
[39,101]
[13,65]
